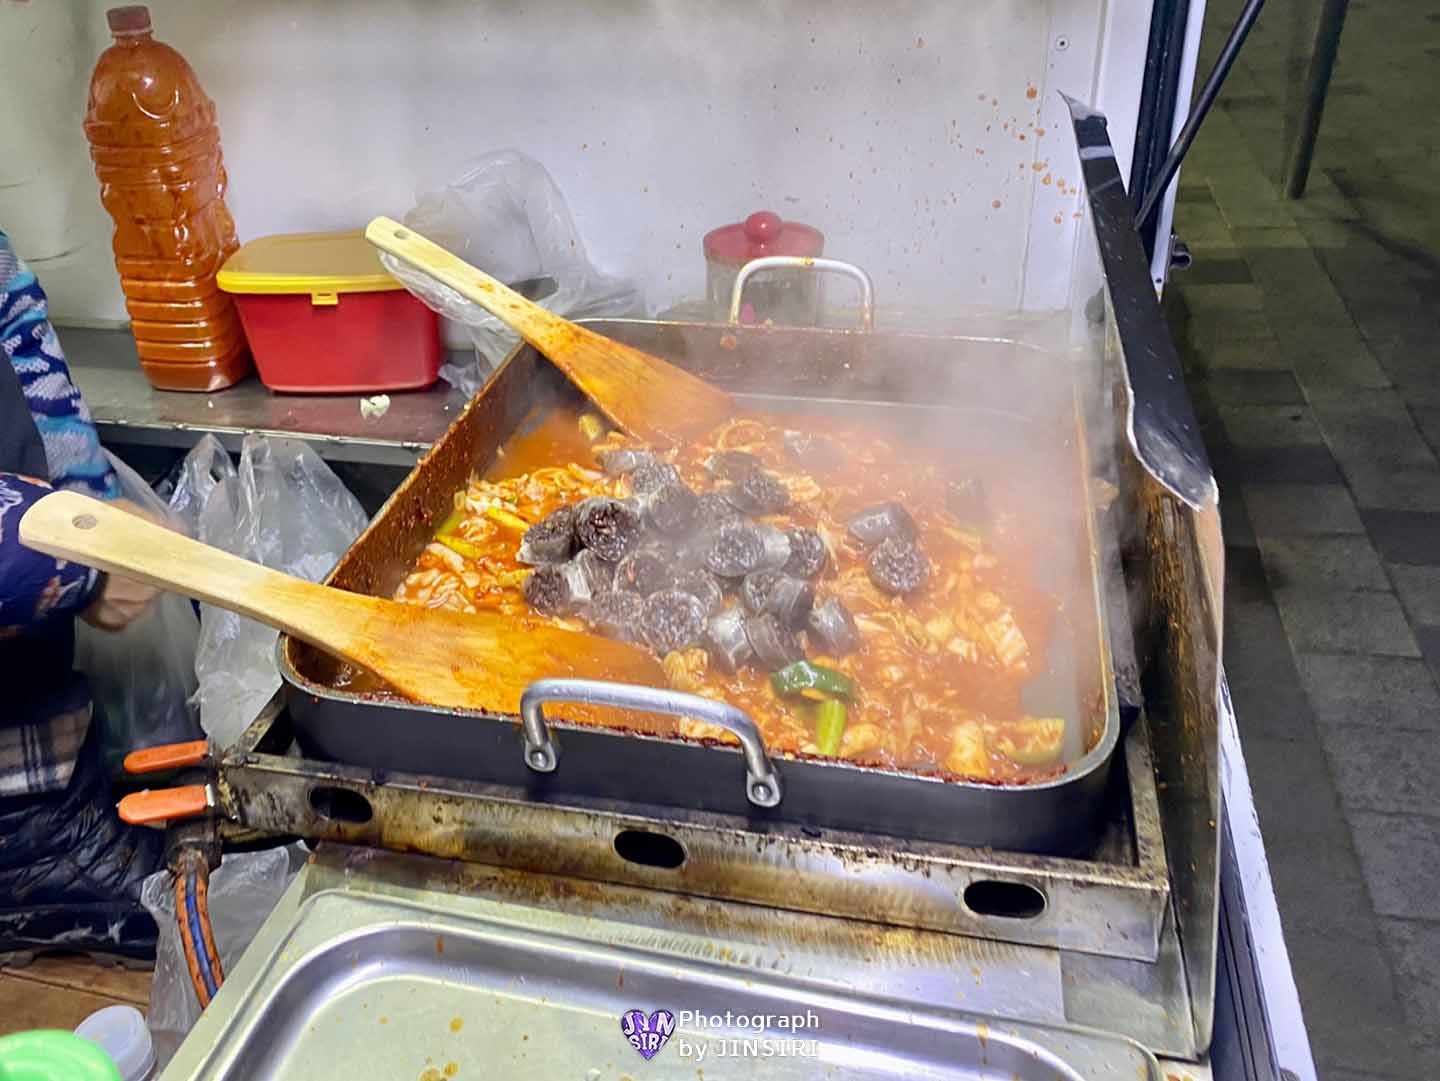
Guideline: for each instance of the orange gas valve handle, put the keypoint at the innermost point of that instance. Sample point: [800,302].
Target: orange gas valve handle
[156,806]
[166,756]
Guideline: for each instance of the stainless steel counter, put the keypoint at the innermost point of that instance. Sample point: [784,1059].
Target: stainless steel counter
[458,921]
[384,965]
[129,411]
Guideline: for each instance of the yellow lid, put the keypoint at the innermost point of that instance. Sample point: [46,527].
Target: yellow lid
[306,263]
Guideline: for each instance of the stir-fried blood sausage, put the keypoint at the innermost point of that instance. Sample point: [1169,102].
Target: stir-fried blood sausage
[807,552]
[736,549]
[774,644]
[832,628]
[897,566]
[548,591]
[616,613]
[551,540]
[672,620]
[884,521]
[607,527]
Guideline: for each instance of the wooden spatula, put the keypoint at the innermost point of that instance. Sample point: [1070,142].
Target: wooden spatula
[472,661]
[643,394]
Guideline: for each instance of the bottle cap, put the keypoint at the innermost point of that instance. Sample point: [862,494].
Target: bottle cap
[126,21]
[121,1033]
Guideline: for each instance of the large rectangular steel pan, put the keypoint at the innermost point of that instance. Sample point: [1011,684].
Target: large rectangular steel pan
[974,394]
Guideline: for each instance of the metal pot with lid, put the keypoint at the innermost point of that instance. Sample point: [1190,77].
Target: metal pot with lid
[788,297]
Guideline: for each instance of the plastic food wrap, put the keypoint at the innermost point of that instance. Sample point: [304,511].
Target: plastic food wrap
[207,465]
[142,677]
[243,890]
[284,508]
[505,215]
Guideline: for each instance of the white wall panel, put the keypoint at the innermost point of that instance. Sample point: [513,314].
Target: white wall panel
[910,133]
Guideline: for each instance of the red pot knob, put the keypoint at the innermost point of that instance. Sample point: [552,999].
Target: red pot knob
[763,227]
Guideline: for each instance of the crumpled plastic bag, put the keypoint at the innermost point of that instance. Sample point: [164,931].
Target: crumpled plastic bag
[284,508]
[243,890]
[505,215]
[142,677]
[207,465]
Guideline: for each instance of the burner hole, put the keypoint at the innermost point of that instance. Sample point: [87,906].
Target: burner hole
[340,804]
[649,849]
[1013,900]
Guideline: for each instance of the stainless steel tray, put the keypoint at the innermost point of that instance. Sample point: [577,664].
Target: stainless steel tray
[423,984]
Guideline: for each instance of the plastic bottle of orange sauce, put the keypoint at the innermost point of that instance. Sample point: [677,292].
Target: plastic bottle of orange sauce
[157,153]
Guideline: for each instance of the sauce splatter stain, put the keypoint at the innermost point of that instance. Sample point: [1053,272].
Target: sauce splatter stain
[456,1024]
[432,1074]
[384,1020]
[1032,92]
[451,1069]
[1045,179]
[439,944]
[995,203]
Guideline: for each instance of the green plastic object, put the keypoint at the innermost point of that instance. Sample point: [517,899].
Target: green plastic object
[53,1055]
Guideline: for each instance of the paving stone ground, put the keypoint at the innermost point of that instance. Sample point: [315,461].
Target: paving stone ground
[1310,332]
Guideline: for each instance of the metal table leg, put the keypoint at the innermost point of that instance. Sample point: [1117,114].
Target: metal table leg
[1322,66]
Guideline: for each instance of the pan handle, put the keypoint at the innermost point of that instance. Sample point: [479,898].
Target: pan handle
[762,782]
[800,262]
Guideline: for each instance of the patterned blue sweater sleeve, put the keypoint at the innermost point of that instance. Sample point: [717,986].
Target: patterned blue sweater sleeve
[72,447]
[34,587]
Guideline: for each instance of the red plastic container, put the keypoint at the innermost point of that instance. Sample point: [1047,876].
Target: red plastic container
[323,317]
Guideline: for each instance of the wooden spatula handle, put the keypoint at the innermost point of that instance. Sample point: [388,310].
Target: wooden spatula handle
[642,394]
[73,526]
[532,322]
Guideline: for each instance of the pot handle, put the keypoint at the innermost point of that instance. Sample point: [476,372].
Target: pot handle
[800,262]
[762,781]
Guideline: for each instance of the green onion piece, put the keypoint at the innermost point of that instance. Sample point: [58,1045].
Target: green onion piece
[451,523]
[829,726]
[462,547]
